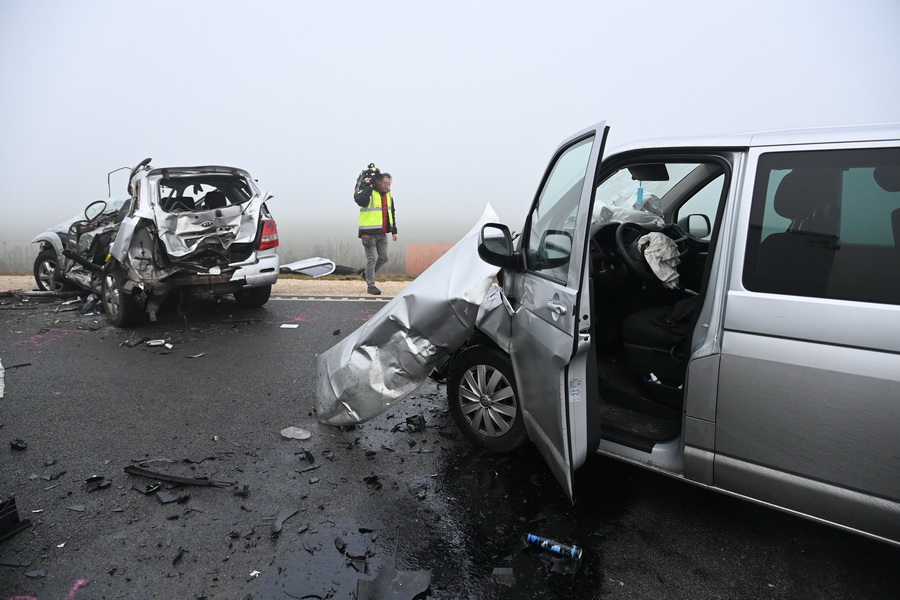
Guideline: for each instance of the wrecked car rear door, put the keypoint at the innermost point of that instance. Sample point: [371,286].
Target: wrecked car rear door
[550,332]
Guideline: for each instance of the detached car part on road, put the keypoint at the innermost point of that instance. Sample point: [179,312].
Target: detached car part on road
[753,350]
[199,231]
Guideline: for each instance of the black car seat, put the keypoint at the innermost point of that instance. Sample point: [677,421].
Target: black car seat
[656,340]
[215,199]
[799,260]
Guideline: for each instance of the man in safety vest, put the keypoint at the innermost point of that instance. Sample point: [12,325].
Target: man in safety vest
[376,220]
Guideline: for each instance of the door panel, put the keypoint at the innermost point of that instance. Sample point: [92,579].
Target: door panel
[809,385]
[547,359]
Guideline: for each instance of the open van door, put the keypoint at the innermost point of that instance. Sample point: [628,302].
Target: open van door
[550,345]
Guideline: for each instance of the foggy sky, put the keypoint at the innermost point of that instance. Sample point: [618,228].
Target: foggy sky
[463,102]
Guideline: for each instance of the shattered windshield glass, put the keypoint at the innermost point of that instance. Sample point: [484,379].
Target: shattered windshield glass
[624,197]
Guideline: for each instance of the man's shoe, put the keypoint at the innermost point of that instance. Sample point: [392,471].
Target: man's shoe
[374,290]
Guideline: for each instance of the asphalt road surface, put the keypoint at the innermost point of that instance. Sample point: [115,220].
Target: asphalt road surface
[353,505]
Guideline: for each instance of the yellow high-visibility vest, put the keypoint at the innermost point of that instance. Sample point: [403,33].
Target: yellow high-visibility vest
[370,215]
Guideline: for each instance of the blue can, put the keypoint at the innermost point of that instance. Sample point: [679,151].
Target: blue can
[554,546]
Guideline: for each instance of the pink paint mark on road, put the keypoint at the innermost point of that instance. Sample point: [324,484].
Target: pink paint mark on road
[301,318]
[69,596]
[365,314]
[47,337]
[74,589]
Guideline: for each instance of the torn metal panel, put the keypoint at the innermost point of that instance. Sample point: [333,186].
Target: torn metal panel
[221,226]
[388,357]
[494,318]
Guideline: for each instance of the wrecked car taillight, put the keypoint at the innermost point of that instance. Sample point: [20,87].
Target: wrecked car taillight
[269,238]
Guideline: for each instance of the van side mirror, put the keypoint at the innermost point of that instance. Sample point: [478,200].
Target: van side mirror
[555,248]
[495,246]
[697,225]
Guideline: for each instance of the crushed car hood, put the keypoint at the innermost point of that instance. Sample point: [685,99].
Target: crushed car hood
[395,351]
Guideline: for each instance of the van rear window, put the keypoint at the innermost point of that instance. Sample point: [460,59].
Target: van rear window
[826,224]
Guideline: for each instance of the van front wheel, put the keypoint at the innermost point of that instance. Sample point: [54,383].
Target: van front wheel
[484,403]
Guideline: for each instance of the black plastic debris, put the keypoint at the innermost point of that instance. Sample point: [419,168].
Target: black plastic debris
[410,425]
[97,482]
[10,523]
[306,455]
[243,491]
[360,562]
[166,497]
[340,544]
[139,472]
[150,488]
[373,482]
[371,527]
[52,477]
[18,444]
[336,332]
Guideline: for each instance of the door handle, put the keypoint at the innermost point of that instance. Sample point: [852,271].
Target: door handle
[556,307]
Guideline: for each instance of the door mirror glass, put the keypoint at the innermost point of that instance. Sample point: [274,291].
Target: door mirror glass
[698,226]
[555,249]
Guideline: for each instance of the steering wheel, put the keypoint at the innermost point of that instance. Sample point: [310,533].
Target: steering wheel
[627,236]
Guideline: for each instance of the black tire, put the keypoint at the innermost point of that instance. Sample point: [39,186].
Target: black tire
[121,307]
[46,272]
[253,297]
[484,402]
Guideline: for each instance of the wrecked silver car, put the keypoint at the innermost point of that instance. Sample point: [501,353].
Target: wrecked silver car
[197,231]
[724,311]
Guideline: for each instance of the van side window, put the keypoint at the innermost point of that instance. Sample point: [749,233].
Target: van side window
[826,224]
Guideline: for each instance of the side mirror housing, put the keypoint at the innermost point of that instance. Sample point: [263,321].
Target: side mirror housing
[697,225]
[495,246]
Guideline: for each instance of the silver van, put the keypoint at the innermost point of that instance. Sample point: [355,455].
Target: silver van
[725,311]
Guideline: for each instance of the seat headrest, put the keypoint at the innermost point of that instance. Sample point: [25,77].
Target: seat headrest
[888,177]
[215,199]
[801,192]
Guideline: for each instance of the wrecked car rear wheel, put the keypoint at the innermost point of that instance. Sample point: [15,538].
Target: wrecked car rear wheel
[483,400]
[45,269]
[120,306]
[253,297]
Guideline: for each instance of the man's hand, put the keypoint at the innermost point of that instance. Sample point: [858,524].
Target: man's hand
[395,237]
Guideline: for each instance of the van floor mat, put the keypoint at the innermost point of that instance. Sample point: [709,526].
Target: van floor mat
[637,424]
